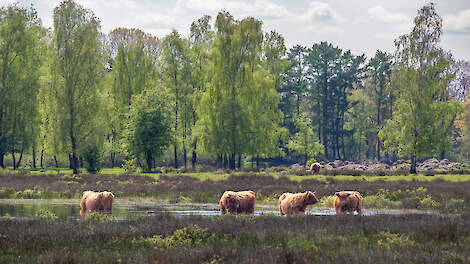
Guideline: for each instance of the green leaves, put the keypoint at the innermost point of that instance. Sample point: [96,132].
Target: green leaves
[423,113]
[238,111]
[304,142]
[78,65]
[148,133]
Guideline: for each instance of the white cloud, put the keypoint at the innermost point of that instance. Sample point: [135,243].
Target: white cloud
[380,14]
[318,12]
[258,8]
[6,2]
[459,22]
[362,26]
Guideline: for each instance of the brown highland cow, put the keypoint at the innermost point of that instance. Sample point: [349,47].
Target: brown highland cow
[296,203]
[315,167]
[348,202]
[237,202]
[101,202]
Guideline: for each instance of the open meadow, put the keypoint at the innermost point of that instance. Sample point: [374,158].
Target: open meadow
[47,237]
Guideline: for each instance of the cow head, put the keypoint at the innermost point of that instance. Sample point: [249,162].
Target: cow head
[342,195]
[310,198]
[233,202]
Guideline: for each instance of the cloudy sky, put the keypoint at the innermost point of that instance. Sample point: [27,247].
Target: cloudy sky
[360,25]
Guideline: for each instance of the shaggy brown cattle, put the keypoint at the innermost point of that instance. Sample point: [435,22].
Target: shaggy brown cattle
[237,202]
[101,202]
[295,203]
[315,167]
[348,202]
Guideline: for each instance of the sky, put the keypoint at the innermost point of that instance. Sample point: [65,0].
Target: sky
[362,26]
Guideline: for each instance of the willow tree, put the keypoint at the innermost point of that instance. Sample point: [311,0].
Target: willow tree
[133,58]
[201,37]
[176,73]
[20,60]
[422,114]
[78,61]
[231,108]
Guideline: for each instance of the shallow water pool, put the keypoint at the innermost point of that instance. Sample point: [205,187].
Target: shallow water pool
[123,209]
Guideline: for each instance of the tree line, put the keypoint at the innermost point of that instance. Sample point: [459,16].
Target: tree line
[229,90]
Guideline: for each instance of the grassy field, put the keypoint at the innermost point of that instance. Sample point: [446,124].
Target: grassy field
[229,239]
[223,175]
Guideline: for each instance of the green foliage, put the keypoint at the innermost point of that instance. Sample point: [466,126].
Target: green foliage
[191,236]
[96,217]
[310,162]
[334,74]
[46,215]
[77,67]
[390,241]
[92,155]
[230,121]
[148,133]
[304,142]
[129,166]
[423,113]
[380,70]
[20,61]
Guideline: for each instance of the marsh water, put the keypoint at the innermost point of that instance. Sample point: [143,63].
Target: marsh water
[123,209]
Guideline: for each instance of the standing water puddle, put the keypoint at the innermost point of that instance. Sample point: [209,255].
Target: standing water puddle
[123,209]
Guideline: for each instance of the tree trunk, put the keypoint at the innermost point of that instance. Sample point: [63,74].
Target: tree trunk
[443,155]
[232,161]
[194,159]
[74,163]
[185,159]
[2,164]
[325,112]
[413,163]
[14,160]
[220,161]
[239,161]
[80,159]
[113,159]
[57,163]
[42,158]
[378,125]
[225,161]
[34,157]
[19,159]
[176,158]
[149,162]
[70,161]
[176,115]
[257,161]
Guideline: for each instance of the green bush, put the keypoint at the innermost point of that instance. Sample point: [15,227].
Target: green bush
[310,162]
[46,214]
[97,217]
[191,236]
[92,156]
[129,166]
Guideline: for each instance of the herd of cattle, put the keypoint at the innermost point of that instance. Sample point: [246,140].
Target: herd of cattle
[242,202]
